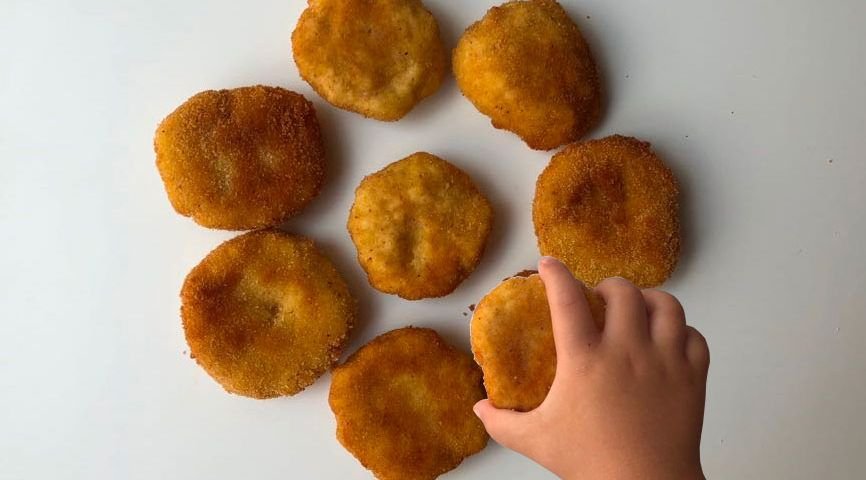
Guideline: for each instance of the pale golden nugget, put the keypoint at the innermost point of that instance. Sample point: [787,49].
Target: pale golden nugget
[420,226]
[378,58]
[513,342]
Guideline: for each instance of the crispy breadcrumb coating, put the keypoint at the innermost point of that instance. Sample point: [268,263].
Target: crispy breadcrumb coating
[609,208]
[420,226]
[266,313]
[378,58]
[403,405]
[241,159]
[527,67]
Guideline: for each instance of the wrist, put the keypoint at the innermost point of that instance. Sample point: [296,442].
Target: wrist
[618,471]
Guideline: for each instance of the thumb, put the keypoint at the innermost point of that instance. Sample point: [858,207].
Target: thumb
[507,427]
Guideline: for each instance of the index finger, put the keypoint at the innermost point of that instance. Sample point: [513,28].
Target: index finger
[574,330]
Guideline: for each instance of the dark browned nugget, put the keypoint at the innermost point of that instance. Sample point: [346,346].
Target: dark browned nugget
[266,313]
[403,404]
[512,341]
[609,208]
[241,159]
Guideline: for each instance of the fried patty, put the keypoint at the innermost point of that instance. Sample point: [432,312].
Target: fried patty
[527,67]
[512,341]
[266,313]
[378,58]
[608,208]
[241,159]
[403,405]
[419,226]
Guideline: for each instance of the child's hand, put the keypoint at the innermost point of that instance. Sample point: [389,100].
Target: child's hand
[626,403]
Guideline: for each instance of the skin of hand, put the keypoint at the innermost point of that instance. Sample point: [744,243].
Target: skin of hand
[626,402]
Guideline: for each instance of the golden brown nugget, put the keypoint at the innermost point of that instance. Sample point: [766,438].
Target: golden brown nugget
[420,226]
[241,159]
[609,208]
[378,58]
[527,67]
[403,404]
[266,313]
[512,341]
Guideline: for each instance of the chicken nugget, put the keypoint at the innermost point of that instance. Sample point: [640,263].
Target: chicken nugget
[266,313]
[241,159]
[527,67]
[403,405]
[420,226]
[609,208]
[512,341]
[378,58]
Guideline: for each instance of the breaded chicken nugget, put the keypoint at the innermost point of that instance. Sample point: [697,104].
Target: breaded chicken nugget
[527,67]
[512,340]
[403,404]
[420,226]
[375,57]
[241,159]
[266,313]
[609,208]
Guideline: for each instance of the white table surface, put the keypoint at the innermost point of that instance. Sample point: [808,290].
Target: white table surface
[758,106]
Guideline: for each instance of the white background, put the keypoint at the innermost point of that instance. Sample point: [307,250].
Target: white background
[758,106]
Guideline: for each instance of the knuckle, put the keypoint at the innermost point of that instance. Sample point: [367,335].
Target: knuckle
[699,347]
[618,286]
[698,337]
[615,282]
[665,301]
[568,300]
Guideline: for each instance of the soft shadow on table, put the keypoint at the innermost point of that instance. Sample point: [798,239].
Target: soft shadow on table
[336,183]
[455,334]
[593,38]
[492,258]
[348,267]
[449,28]
[336,178]
[690,241]
[437,104]
[450,31]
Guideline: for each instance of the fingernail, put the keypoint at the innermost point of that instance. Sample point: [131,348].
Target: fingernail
[545,260]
